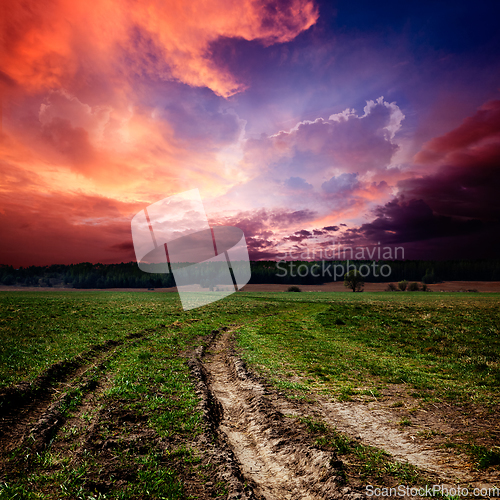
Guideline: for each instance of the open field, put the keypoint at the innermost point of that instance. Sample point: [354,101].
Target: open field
[334,286]
[262,395]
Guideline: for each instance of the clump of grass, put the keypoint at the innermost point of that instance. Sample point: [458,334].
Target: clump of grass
[337,440]
[367,461]
[345,393]
[314,426]
[290,386]
[372,392]
[485,457]
[293,288]
[405,422]
[482,456]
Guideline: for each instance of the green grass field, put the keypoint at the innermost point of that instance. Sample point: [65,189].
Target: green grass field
[441,346]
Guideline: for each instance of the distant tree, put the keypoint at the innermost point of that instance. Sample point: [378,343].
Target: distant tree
[391,287]
[354,280]
[413,287]
[293,288]
[402,285]
[8,279]
[429,277]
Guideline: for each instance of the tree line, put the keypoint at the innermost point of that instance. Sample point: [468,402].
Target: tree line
[128,275]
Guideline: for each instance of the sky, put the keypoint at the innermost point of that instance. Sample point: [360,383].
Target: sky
[309,125]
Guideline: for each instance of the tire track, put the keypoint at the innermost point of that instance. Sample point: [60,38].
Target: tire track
[32,413]
[275,458]
[378,428]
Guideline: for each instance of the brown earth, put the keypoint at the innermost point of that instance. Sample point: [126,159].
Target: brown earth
[260,424]
[336,286]
[274,453]
[422,441]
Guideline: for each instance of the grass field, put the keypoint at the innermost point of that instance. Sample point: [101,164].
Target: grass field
[441,345]
[124,372]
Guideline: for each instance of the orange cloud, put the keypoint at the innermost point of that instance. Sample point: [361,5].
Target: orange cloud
[52,44]
[131,154]
[83,139]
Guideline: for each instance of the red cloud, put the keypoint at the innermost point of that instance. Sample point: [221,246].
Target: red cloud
[48,44]
[475,133]
[57,228]
[456,201]
[72,142]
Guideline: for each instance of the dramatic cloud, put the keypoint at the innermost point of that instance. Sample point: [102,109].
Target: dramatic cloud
[62,105]
[298,184]
[400,221]
[343,183]
[460,198]
[110,106]
[467,180]
[327,165]
[65,228]
[345,141]
[303,234]
[470,138]
[266,229]
[50,44]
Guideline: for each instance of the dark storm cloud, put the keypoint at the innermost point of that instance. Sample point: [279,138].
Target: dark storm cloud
[260,226]
[401,221]
[303,234]
[456,204]
[467,183]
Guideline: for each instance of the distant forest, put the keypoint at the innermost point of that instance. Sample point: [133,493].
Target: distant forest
[128,275]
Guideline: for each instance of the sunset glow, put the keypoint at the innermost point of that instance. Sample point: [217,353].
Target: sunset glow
[303,123]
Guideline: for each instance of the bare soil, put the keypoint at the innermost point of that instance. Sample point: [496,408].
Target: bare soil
[419,443]
[336,286]
[269,446]
[433,438]
[273,451]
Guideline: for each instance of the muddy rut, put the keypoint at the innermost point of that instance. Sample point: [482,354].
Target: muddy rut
[273,451]
[32,413]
